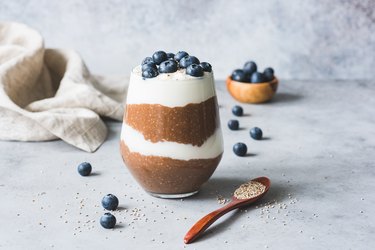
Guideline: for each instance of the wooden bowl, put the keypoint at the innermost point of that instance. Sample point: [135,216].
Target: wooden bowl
[252,92]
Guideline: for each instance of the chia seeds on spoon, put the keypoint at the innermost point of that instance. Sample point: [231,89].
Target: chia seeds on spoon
[249,190]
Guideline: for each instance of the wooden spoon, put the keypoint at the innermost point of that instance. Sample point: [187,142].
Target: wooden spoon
[210,218]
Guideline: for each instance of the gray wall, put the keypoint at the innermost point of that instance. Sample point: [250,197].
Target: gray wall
[300,39]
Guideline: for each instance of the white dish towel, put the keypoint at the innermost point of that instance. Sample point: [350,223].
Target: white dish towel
[46,94]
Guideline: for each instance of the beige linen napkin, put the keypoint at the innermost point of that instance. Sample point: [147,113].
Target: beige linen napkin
[46,94]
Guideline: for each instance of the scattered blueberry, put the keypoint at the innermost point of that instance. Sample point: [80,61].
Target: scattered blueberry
[84,169]
[149,65]
[147,60]
[150,72]
[250,67]
[188,60]
[268,74]
[206,66]
[257,77]
[256,133]
[170,55]
[168,66]
[159,57]
[238,75]
[180,55]
[237,110]
[194,70]
[233,124]
[108,221]
[110,202]
[240,149]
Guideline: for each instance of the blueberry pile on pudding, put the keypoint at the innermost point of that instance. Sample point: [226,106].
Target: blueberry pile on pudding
[171,138]
[166,63]
[249,74]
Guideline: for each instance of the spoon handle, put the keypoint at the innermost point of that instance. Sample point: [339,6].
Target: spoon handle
[207,221]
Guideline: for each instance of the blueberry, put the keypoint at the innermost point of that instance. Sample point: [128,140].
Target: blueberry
[110,202]
[147,60]
[240,149]
[180,55]
[257,77]
[149,65]
[238,75]
[194,70]
[250,67]
[268,74]
[150,72]
[108,221]
[159,57]
[233,124]
[256,133]
[170,55]
[247,78]
[84,169]
[206,66]
[237,110]
[168,66]
[188,60]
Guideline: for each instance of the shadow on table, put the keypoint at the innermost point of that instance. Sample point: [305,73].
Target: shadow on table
[285,97]
[119,226]
[96,173]
[114,128]
[121,208]
[219,186]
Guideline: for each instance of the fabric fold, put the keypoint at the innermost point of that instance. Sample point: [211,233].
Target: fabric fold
[46,94]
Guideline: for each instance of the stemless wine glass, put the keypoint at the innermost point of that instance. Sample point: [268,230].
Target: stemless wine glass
[171,139]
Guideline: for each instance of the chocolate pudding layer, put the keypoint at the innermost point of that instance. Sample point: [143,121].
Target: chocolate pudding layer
[165,175]
[190,124]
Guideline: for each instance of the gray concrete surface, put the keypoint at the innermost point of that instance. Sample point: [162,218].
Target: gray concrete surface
[318,152]
[314,39]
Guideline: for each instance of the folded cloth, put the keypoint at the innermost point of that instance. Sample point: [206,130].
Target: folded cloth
[46,94]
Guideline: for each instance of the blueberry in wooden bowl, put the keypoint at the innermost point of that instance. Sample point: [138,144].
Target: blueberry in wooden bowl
[250,86]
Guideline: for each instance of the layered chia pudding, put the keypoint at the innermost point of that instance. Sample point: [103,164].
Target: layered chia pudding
[171,139]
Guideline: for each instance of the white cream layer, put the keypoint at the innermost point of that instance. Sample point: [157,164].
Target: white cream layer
[136,142]
[171,90]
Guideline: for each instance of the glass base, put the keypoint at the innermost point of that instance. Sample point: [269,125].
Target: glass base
[173,196]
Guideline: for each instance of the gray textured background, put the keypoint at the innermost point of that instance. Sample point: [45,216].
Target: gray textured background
[300,39]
